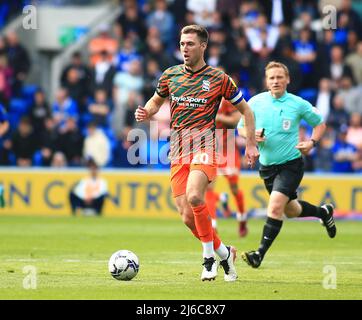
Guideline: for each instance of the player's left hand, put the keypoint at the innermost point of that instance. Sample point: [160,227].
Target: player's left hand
[304,147]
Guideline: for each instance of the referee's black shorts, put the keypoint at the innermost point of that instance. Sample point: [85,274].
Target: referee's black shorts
[284,178]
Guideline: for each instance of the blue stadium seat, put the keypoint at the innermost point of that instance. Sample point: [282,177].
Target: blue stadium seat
[18,105]
[14,118]
[309,94]
[37,159]
[28,92]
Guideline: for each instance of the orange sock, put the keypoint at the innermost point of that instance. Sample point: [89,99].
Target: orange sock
[239,198]
[211,199]
[203,223]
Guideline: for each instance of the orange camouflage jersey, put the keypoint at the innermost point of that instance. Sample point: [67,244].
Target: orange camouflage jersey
[195,98]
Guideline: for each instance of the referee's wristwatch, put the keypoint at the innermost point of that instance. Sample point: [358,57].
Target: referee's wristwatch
[314,142]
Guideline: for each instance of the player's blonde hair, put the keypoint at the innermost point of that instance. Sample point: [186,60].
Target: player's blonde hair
[275,64]
[201,32]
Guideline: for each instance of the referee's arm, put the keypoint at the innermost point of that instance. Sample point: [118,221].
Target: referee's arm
[305,146]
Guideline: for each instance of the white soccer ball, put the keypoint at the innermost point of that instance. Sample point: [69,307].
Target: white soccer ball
[123,265]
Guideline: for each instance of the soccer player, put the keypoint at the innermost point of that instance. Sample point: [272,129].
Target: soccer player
[277,117]
[4,126]
[195,90]
[226,119]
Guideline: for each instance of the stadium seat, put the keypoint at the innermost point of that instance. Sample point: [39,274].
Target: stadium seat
[28,92]
[17,105]
[309,94]
[37,159]
[14,118]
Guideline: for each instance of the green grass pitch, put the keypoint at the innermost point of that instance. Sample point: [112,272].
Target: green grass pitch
[70,257]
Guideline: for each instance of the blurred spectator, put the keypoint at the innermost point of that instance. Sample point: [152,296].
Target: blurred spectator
[163,20]
[103,42]
[353,19]
[3,46]
[123,118]
[76,89]
[63,108]
[354,61]
[118,34]
[324,53]
[155,51]
[38,112]
[120,154]
[249,13]
[19,61]
[71,142]
[102,75]
[6,75]
[354,132]
[228,8]
[357,164]
[284,40]
[258,71]
[338,116]
[323,156]
[179,12]
[305,53]
[344,153]
[352,96]
[309,7]
[151,75]
[124,82]
[341,33]
[132,22]
[352,42]
[278,11]
[239,59]
[324,98]
[49,141]
[58,160]
[23,143]
[80,67]
[131,105]
[214,55]
[126,55]
[90,192]
[295,74]
[337,68]
[100,108]
[203,10]
[97,145]
[4,123]
[262,35]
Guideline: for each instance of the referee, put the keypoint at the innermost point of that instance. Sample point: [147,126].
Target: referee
[277,118]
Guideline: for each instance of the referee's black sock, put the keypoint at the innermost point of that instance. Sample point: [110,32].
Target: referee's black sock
[270,232]
[309,210]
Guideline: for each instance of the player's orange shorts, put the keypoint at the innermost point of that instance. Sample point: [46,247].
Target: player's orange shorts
[231,167]
[180,173]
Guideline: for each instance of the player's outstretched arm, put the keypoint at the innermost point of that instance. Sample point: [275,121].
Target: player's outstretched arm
[251,151]
[152,107]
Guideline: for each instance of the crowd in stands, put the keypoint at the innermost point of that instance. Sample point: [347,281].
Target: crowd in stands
[92,112]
